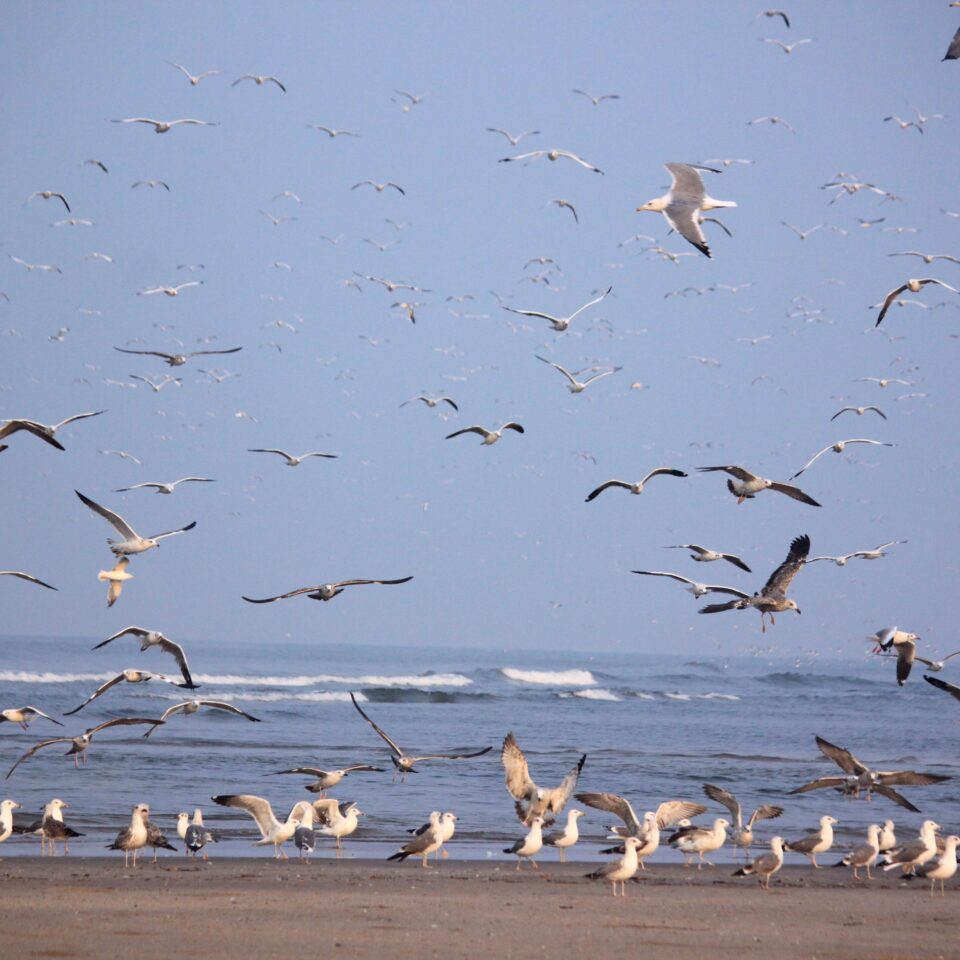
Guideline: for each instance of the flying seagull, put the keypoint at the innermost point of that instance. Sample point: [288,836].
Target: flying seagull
[489,436]
[904,646]
[404,763]
[558,323]
[914,286]
[859,411]
[533,802]
[431,401]
[637,487]
[26,576]
[514,140]
[773,597]
[153,638]
[705,555]
[786,47]
[380,187]
[259,80]
[950,688]
[325,779]
[750,485]
[170,291]
[875,554]
[48,195]
[684,202]
[272,831]
[194,80]
[125,676]
[162,126]
[177,359]
[574,385]
[551,155]
[695,588]
[292,461]
[165,487]
[116,578]
[838,447]
[774,13]
[325,591]
[192,706]
[596,101]
[23,715]
[42,430]
[132,542]
[331,132]
[926,257]
[742,832]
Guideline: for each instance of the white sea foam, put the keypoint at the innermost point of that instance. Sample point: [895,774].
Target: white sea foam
[553,678]
[645,696]
[371,680]
[677,696]
[599,694]
[718,696]
[23,676]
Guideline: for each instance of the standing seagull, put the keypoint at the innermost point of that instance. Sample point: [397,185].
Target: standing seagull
[700,840]
[42,430]
[686,199]
[424,842]
[558,323]
[864,855]
[272,831]
[489,436]
[620,871]
[705,555]
[530,845]
[915,853]
[750,485]
[336,820]
[404,763]
[567,837]
[943,866]
[637,487]
[813,843]
[292,461]
[326,591]
[767,865]
[838,447]
[533,801]
[29,577]
[153,638]
[133,839]
[742,833]
[773,597]
[132,542]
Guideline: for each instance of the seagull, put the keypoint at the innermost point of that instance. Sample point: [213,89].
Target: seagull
[132,542]
[915,853]
[123,455]
[404,763]
[773,121]
[875,554]
[943,866]
[151,184]
[162,126]
[567,837]
[48,195]
[259,81]
[574,385]
[558,323]
[133,839]
[23,716]
[767,865]
[292,461]
[425,842]
[413,98]
[153,638]
[700,840]
[172,291]
[45,267]
[802,234]
[622,870]
[177,359]
[42,430]
[904,645]
[157,839]
[328,778]
[914,286]
[530,845]
[903,125]
[682,205]
[116,578]
[742,833]
[305,837]
[839,447]
[887,839]
[276,221]
[6,818]
[447,826]
[596,101]
[380,187]
[325,591]
[337,820]
[751,485]
[950,688]
[773,597]
[79,744]
[552,155]
[864,855]
[859,411]
[95,163]
[514,140]
[194,80]
[786,47]
[166,488]
[431,401]
[774,13]
[26,576]
[696,589]
[51,828]
[533,802]
[489,436]
[156,385]
[272,831]
[125,676]
[567,204]
[926,257]
[705,555]
[331,133]
[638,487]
[192,706]
[194,835]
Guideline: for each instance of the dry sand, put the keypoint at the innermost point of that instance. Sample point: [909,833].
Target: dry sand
[94,907]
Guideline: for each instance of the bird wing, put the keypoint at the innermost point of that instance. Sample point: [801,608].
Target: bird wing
[284,596]
[28,576]
[736,561]
[580,310]
[663,471]
[615,804]
[670,811]
[606,486]
[888,299]
[516,772]
[560,795]
[576,159]
[908,778]
[362,766]
[350,583]
[205,353]
[661,573]
[257,807]
[118,523]
[820,784]
[228,707]
[727,799]
[35,748]
[176,651]
[390,743]
[768,811]
[737,472]
[556,366]
[950,688]
[842,757]
[782,577]
[102,689]
[77,416]
[173,533]
[121,722]
[517,427]
[451,756]
[136,631]
[147,353]
[478,430]
[812,460]
[12,426]
[795,492]
[897,798]
[40,713]
[328,811]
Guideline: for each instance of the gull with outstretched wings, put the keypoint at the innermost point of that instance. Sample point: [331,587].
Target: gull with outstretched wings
[533,801]
[132,542]
[325,591]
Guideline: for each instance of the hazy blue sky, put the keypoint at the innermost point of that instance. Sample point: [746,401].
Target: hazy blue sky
[503,549]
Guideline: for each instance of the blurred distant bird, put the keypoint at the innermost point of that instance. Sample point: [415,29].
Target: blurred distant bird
[773,121]
[116,578]
[884,381]
[565,204]
[774,13]
[42,430]
[380,187]
[413,98]
[786,47]
[838,447]
[194,80]
[155,385]
[750,485]
[560,324]
[574,385]
[171,291]
[177,359]
[554,154]
[132,542]
[431,401]
[802,234]
[514,140]
[637,487]
[259,80]
[596,101]
[292,461]
[874,554]
[326,591]
[859,411]
[96,163]
[704,555]
[123,455]
[903,124]
[926,257]
[914,286]
[162,126]
[30,267]
[48,195]
[330,132]
[165,487]
[151,184]
[489,436]
[26,576]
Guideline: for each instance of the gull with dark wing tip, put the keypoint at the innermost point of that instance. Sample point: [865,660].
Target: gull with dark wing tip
[773,597]
[30,267]
[423,844]
[926,257]
[859,411]
[42,430]
[489,436]
[638,487]
[447,825]
[903,125]
[189,707]
[431,401]
[380,187]
[116,578]
[596,101]
[705,555]
[156,385]
[272,831]
[337,819]
[292,461]
[48,195]
[622,870]
[750,485]
[864,855]
[950,688]
[404,763]
[325,591]
[530,845]
[914,286]
[165,487]
[904,646]
[533,802]
[742,832]
[766,866]
[325,779]
[79,744]
[700,840]
[178,359]
[132,542]
[773,121]
[125,676]
[552,155]
[29,577]
[151,184]
[23,715]
[331,132]
[567,837]
[682,205]
[558,323]
[565,203]
[574,385]
[259,80]
[162,126]
[154,638]
[134,838]
[695,588]
[819,841]
[514,140]
[774,13]
[194,80]
[838,447]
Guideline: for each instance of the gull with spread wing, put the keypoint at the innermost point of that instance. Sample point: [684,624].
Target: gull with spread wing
[43,431]
[742,833]
[272,831]
[132,542]
[154,638]
[125,676]
[914,286]
[638,487]
[325,779]
[838,447]
[489,436]
[162,126]
[574,385]
[552,155]
[558,323]
[29,577]
[189,707]
[695,588]
[533,802]
[177,359]
[750,485]
[292,461]
[326,591]
[165,487]
[705,555]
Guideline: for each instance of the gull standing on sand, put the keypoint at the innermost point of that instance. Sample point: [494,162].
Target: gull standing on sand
[530,845]
[6,818]
[272,831]
[696,589]
[167,488]
[133,839]
[404,763]
[132,542]
[194,835]
[41,430]
[336,819]
[23,715]
[552,155]
[636,488]
[154,638]
[305,837]
[682,205]
[773,597]
[859,411]
[292,461]
[813,843]
[157,839]
[558,323]
[838,447]
[116,577]
[533,801]
[325,779]
[700,840]
[126,676]
[424,842]
[574,385]
[489,436]
[325,591]
[189,707]
[162,126]
[567,837]
[766,866]
[750,485]
[29,577]
[943,866]
[915,853]
[705,555]
[914,286]
[620,871]
[742,834]
[887,839]
[865,855]
[50,828]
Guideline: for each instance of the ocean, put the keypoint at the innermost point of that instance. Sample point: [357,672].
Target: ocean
[653,727]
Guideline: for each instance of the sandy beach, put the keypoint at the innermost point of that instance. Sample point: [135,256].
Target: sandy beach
[94,907]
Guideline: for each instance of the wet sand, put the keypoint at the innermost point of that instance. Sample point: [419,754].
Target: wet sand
[94,907]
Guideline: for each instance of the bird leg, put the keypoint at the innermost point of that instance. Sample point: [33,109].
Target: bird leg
[533,863]
[519,861]
[563,855]
[813,860]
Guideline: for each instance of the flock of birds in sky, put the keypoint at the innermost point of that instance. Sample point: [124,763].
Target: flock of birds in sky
[684,208]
